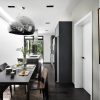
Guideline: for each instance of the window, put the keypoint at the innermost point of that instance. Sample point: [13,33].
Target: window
[34,45]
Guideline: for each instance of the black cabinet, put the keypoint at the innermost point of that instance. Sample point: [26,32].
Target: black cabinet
[63,52]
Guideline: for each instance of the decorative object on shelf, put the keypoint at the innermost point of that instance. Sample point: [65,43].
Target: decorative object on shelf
[22,26]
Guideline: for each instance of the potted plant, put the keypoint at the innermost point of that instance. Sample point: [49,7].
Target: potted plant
[24,52]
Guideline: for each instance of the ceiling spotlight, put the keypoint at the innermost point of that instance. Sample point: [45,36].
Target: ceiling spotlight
[11,6]
[50,6]
[47,23]
[23,8]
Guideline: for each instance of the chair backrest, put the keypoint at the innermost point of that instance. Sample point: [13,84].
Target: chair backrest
[39,71]
[3,66]
[31,60]
[44,75]
[45,81]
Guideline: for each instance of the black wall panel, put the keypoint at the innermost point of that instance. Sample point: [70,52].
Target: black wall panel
[65,52]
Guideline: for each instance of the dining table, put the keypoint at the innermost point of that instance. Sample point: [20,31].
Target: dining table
[18,79]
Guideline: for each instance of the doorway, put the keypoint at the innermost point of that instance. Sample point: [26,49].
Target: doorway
[83,54]
[34,45]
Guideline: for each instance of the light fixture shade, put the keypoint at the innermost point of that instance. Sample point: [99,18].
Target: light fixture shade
[22,26]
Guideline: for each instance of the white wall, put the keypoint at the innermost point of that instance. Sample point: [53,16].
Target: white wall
[47,49]
[8,44]
[83,8]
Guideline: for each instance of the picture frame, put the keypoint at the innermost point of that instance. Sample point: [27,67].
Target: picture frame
[99,32]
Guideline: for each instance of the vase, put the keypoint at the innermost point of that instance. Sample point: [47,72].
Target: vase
[24,61]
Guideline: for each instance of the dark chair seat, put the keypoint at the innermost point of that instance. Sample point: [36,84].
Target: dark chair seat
[37,85]
[3,87]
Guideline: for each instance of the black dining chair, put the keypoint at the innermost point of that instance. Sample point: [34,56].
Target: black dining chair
[3,87]
[37,75]
[41,84]
[37,71]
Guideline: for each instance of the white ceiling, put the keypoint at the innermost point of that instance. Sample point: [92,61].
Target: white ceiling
[39,13]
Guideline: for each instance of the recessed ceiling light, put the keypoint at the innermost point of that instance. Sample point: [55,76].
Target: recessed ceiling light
[46,30]
[23,7]
[11,6]
[47,23]
[50,6]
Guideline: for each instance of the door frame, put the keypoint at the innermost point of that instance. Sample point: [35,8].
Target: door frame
[77,68]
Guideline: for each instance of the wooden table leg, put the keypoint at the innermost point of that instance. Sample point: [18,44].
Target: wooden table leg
[14,87]
[11,90]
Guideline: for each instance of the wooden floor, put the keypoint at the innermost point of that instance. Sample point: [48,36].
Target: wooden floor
[64,92]
[56,91]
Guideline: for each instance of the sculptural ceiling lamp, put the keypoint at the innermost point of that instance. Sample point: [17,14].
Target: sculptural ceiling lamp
[21,26]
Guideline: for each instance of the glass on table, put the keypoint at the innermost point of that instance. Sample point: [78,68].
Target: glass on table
[13,67]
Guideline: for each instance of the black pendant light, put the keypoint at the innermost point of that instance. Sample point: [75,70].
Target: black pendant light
[22,26]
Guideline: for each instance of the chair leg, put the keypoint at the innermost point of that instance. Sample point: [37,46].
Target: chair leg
[40,91]
[43,94]
[46,95]
[46,91]
[1,96]
[25,89]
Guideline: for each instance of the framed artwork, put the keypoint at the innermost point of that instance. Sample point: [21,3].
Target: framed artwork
[99,32]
